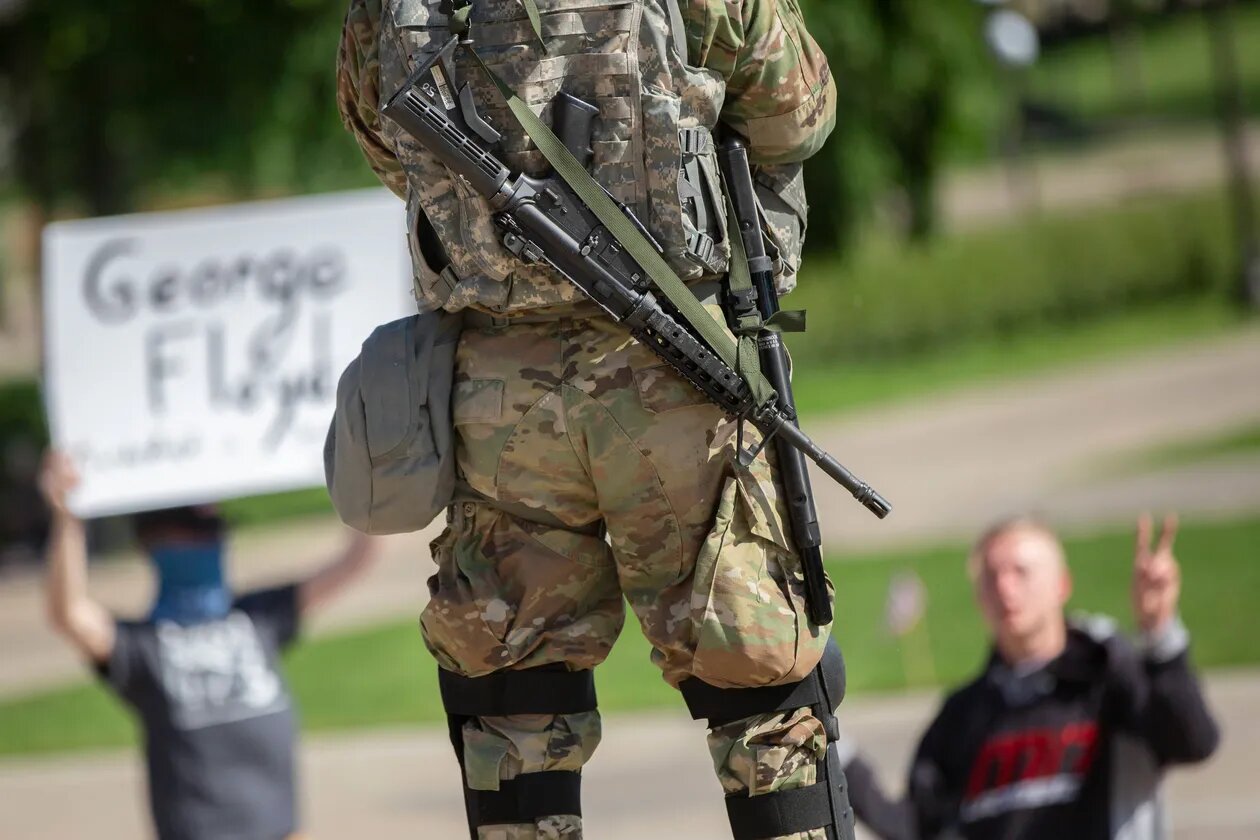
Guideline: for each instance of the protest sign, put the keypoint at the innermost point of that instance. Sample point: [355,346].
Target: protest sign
[193,356]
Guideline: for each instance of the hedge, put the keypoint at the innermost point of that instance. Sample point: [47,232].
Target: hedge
[893,299]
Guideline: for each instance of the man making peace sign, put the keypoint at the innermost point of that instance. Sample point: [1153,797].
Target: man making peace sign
[1068,729]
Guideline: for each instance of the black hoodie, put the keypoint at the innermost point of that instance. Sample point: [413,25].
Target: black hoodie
[1075,749]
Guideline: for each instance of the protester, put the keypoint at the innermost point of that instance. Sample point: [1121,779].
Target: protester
[1067,731]
[200,670]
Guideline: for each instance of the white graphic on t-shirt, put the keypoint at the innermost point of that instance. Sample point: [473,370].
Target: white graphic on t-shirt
[217,672]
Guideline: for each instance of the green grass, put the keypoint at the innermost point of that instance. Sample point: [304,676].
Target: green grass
[276,507]
[1240,441]
[1244,440]
[382,676]
[828,389]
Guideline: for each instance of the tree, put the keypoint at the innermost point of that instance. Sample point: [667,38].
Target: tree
[108,98]
[897,65]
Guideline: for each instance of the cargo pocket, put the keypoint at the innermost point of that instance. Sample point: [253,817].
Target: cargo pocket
[780,191]
[432,287]
[469,613]
[477,401]
[477,414]
[747,602]
[663,166]
[701,198]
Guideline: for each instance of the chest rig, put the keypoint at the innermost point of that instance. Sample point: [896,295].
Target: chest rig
[651,139]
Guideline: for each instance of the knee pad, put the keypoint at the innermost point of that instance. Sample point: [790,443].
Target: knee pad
[824,804]
[548,690]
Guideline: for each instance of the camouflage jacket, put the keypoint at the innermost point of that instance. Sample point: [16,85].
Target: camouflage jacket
[753,60]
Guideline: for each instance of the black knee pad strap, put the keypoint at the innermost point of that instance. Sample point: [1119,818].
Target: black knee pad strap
[527,798]
[822,689]
[823,805]
[781,813]
[549,690]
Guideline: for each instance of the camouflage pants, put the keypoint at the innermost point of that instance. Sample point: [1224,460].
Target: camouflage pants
[634,474]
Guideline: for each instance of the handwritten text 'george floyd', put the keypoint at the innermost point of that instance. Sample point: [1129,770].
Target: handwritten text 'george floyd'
[200,303]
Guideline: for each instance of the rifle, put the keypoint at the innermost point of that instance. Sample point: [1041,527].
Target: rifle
[546,220]
[793,475]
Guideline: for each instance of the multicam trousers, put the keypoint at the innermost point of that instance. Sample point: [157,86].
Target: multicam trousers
[638,499]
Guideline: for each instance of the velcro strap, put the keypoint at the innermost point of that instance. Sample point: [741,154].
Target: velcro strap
[723,705]
[528,797]
[785,812]
[533,691]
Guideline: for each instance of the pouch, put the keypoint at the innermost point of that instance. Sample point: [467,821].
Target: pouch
[389,460]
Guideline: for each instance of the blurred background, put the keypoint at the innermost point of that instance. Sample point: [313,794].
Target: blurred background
[1033,277]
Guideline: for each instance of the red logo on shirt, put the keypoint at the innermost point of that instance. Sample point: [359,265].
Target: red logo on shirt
[1029,768]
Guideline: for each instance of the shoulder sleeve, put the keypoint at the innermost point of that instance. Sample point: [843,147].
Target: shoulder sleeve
[359,94]
[780,93]
[126,666]
[274,613]
[1158,697]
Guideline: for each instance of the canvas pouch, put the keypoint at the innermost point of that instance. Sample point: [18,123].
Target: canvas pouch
[389,459]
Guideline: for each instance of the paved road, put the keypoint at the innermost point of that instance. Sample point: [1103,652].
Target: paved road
[954,464]
[650,778]
[950,465]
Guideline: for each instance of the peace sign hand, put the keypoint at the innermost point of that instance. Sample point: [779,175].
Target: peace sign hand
[1156,575]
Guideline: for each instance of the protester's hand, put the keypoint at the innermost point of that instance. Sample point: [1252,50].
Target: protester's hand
[57,479]
[1156,575]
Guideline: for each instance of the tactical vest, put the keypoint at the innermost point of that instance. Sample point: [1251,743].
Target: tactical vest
[652,141]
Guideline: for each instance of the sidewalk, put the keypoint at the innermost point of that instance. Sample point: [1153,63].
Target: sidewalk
[650,778]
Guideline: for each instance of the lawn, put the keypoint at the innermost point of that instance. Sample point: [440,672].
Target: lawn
[382,676]
[830,389]
[1241,441]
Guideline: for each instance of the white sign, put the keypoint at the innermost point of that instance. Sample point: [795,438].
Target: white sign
[194,356]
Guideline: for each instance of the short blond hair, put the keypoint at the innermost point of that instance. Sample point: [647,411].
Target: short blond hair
[1029,523]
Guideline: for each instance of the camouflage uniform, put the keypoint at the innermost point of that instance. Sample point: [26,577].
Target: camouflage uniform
[598,477]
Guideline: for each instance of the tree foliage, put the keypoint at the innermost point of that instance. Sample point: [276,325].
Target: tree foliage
[108,99]
[110,102]
[898,65]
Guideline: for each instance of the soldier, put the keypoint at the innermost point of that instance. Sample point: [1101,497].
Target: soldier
[201,670]
[591,474]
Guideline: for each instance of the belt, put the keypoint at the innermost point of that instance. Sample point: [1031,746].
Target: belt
[706,291]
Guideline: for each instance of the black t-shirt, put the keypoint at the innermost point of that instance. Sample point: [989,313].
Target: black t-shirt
[218,721]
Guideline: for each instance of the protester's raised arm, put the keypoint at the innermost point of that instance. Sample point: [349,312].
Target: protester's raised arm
[1165,698]
[353,561]
[71,611]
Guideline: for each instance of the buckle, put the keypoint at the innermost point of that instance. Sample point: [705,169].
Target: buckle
[695,141]
[702,247]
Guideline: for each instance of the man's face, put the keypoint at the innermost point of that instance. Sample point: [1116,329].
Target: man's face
[1022,584]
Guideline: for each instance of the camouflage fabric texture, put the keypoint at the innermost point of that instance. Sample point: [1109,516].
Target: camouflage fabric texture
[638,500]
[753,67]
[597,477]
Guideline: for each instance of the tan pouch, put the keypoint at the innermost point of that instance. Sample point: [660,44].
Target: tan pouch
[389,460]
